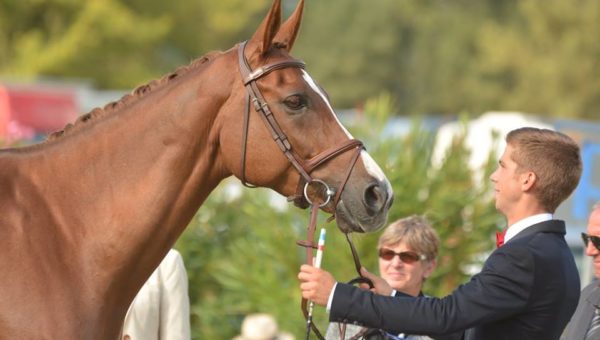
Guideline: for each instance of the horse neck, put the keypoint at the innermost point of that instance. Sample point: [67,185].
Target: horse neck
[133,179]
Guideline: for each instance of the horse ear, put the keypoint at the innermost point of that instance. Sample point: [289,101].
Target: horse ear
[289,30]
[263,37]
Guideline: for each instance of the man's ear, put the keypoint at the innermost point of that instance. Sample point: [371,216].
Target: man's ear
[528,179]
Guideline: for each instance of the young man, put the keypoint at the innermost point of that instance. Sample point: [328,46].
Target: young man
[528,288]
[585,323]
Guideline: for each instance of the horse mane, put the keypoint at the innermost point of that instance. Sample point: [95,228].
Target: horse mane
[139,92]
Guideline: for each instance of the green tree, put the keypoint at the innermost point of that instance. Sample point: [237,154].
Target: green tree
[545,61]
[349,47]
[433,57]
[116,43]
[440,57]
[100,40]
[202,25]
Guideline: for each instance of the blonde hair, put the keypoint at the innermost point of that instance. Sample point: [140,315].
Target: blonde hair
[416,232]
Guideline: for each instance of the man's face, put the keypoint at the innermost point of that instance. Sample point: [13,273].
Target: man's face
[507,183]
[593,229]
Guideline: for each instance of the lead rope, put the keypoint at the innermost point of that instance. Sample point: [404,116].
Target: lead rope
[309,243]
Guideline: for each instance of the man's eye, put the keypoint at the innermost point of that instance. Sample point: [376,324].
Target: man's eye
[295,102]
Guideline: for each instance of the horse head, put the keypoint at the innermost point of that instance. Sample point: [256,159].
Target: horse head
[290,135]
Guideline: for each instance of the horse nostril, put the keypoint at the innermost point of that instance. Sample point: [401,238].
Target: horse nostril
[375,198]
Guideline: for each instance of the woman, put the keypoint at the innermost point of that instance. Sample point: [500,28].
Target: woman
[407,251]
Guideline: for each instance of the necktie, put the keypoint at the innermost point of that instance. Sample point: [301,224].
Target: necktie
[593,332]
[500,238]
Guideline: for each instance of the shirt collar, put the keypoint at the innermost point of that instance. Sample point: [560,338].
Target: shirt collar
[525,223]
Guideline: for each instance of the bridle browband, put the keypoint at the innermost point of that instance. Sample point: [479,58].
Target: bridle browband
[304,167]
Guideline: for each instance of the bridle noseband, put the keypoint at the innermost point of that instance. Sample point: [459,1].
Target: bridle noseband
[304,167]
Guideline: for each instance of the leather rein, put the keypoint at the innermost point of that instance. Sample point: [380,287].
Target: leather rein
[304,167]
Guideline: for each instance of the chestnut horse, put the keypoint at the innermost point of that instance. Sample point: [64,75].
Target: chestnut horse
[86,216]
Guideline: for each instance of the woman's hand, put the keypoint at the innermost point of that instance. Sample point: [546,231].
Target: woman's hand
[380,286]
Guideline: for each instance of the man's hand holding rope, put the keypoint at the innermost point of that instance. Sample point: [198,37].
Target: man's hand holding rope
[316,284]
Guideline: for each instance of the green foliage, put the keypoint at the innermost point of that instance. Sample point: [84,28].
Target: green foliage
[116,43]
[241,258]
[433,57]
[441,57]
[241,255]
[100,40]
[545,61]
[344,45]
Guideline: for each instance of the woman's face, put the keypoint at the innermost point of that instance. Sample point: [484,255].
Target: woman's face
[405,276]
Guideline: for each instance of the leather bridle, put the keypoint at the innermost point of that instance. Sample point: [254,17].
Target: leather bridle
[304,167]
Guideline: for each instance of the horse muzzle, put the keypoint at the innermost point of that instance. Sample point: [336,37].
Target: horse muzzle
[367,214]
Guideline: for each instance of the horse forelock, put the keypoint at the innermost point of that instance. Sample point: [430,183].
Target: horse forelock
[139,92]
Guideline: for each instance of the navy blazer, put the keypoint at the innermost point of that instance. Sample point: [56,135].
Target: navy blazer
[527,289]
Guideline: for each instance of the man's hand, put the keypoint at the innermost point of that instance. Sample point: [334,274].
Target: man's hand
[316,284]
[381,287]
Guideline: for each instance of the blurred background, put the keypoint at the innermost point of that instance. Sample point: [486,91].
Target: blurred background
[430,86]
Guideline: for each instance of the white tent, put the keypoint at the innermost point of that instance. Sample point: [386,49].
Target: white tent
[479,136]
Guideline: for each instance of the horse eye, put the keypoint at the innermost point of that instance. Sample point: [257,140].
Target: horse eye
[295,102]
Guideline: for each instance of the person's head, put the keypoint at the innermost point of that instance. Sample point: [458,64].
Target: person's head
[541,163]
[417,243]
[261,326]
[591,239]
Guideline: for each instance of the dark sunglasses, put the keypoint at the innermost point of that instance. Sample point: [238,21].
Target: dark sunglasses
[587,238]
[405,256]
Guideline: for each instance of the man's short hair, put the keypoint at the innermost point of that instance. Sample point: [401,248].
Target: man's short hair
[554,158]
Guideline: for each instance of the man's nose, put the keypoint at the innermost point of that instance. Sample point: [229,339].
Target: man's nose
[493,176]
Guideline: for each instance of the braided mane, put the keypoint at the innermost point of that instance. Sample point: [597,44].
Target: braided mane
[139,92]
